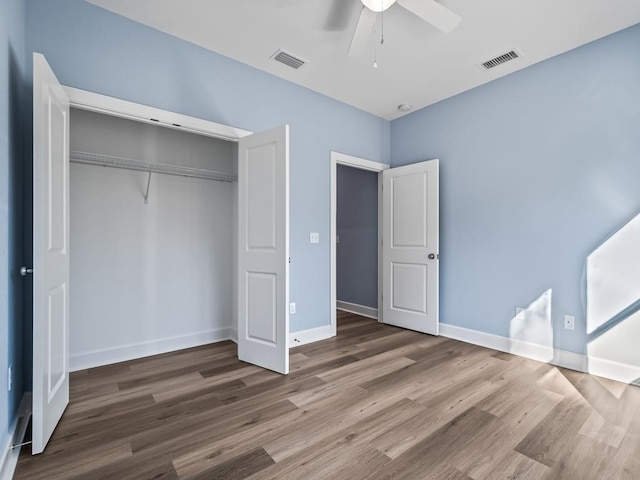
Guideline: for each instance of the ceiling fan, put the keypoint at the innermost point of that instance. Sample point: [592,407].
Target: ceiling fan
[428,10]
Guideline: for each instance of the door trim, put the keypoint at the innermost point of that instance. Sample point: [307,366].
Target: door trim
[117,107]
[338,158]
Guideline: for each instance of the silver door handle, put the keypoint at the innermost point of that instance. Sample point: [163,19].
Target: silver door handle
[432,256]
[24,271]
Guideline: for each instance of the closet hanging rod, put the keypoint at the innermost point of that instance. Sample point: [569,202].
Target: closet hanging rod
[87,158]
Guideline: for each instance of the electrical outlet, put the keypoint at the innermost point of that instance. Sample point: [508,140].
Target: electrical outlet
[519,313]
[569,322]
[292,308]
[314,237]
[10,378]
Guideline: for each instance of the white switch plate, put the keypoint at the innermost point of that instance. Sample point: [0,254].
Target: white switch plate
[314,237]
[292,308]
[569,322]
[10,378]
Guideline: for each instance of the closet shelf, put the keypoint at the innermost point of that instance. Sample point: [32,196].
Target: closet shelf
[149,167]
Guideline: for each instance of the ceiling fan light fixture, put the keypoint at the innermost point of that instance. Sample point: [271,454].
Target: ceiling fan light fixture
[378,5]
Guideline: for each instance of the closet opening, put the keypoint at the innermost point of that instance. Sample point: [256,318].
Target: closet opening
[153,222]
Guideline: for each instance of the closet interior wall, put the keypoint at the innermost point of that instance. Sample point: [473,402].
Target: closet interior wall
[155,277]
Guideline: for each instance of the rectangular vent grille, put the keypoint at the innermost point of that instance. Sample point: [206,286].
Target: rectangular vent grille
[499,60]
[288,59]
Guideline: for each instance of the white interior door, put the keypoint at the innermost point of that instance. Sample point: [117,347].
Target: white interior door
[410,246]
[263,249]
[50,252]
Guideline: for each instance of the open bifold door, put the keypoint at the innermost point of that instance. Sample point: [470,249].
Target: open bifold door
[50,252]
[263,249]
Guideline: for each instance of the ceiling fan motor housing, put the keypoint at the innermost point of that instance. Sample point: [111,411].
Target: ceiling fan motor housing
[378,5]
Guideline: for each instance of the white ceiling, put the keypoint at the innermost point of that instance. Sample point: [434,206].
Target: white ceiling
[417,64]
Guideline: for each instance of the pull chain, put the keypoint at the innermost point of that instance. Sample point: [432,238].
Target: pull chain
[375,44]
[381,24]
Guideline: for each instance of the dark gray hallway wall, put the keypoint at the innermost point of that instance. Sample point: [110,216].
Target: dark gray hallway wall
[13,164]
[357,228]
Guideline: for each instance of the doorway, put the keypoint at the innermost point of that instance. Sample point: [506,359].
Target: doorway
[357,241]
[341,160]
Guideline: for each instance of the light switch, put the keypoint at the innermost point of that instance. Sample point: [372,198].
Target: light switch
[314,237]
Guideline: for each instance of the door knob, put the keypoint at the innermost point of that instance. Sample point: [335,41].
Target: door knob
[24,271]
[432,256]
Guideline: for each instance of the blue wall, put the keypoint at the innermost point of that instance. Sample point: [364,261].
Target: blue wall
[93,49]
[357,227]
[537,169]
[12,178]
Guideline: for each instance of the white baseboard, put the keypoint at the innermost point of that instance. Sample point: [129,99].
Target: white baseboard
[561,358]
[15,436]
[122,353]
[311,335]
[358,309]
[621,372]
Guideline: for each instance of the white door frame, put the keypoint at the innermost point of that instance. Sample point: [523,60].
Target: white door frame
[96,102]
[338,158]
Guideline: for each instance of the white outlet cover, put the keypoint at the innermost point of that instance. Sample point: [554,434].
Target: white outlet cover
[314,237]
[569,322]
[292,308]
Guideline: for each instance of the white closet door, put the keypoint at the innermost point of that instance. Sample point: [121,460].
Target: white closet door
[410,246]
[50,252]
[263,249]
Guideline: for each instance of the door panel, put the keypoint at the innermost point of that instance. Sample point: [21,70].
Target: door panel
[409,227]
[409,282]
[410,237]
[50,252]
[262,299]
[263,249]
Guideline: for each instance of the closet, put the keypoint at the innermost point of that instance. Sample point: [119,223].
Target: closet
[152,220]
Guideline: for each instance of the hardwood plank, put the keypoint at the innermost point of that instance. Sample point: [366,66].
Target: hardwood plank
[435,449]
[479,458]
[68,463]
[235,442]
[236,468]
[545,442]
[517,466]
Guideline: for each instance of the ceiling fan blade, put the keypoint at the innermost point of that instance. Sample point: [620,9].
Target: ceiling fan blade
[432,12]
[340,15]
[362,33]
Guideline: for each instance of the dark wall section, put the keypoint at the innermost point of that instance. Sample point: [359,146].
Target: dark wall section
[357,228]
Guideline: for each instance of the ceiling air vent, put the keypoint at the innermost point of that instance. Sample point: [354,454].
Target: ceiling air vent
[288,59]
[500,59]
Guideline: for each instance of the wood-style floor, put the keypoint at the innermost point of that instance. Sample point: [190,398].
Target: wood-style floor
[376,402]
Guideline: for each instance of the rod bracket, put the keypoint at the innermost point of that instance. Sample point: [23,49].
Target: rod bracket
[146,194]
